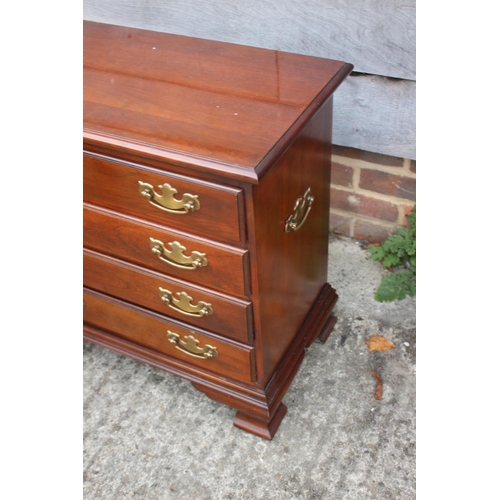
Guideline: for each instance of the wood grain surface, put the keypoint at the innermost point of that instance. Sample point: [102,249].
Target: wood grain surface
[377,36]
[128,238]
[230,317]
[377,114]
[237,101]
[115,185]
[295,261]
[150,330]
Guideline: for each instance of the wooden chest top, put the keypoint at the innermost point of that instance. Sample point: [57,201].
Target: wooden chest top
[202,104]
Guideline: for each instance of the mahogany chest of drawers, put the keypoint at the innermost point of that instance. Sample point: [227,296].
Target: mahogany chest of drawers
[206,210]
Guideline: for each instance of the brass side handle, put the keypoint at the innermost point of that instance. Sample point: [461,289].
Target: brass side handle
[166,200]
[175,257]
[190,346]
[300,212]
[184,304]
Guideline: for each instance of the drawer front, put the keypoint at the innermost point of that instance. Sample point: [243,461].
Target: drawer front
[190,346]
[231,318]
[198,207]
[224,268]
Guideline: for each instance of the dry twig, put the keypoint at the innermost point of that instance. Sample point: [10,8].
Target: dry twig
[380,384]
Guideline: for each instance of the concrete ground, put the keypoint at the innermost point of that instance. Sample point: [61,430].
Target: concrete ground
[151,436]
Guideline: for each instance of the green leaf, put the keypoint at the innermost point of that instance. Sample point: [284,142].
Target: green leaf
[398,250]
[398,243]
[413,263]
[377,253]
[391,260]
[396,286]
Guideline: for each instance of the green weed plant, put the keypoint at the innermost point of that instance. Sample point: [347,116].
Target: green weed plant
[399,254]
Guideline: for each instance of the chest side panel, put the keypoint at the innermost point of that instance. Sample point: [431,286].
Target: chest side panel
[291,266]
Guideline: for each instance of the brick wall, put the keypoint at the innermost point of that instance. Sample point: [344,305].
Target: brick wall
[370,193]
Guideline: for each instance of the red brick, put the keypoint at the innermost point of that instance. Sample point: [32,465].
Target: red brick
[340,224]
[413,166]
[406,210]
[359,154]
[341,175]
[390,184]
[373,233]
[363,205]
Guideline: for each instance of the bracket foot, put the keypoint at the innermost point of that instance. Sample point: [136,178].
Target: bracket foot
[259,427]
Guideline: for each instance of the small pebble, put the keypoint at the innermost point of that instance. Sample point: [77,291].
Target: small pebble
[406,344]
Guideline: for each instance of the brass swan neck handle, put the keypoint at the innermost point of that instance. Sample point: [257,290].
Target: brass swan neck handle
[300,212]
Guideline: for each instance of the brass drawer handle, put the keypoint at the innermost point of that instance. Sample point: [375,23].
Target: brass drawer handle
[176,257]
[166,200]
[301,211]
[183,304]
[190,346]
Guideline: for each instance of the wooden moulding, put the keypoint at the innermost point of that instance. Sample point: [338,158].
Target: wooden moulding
[258,411]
